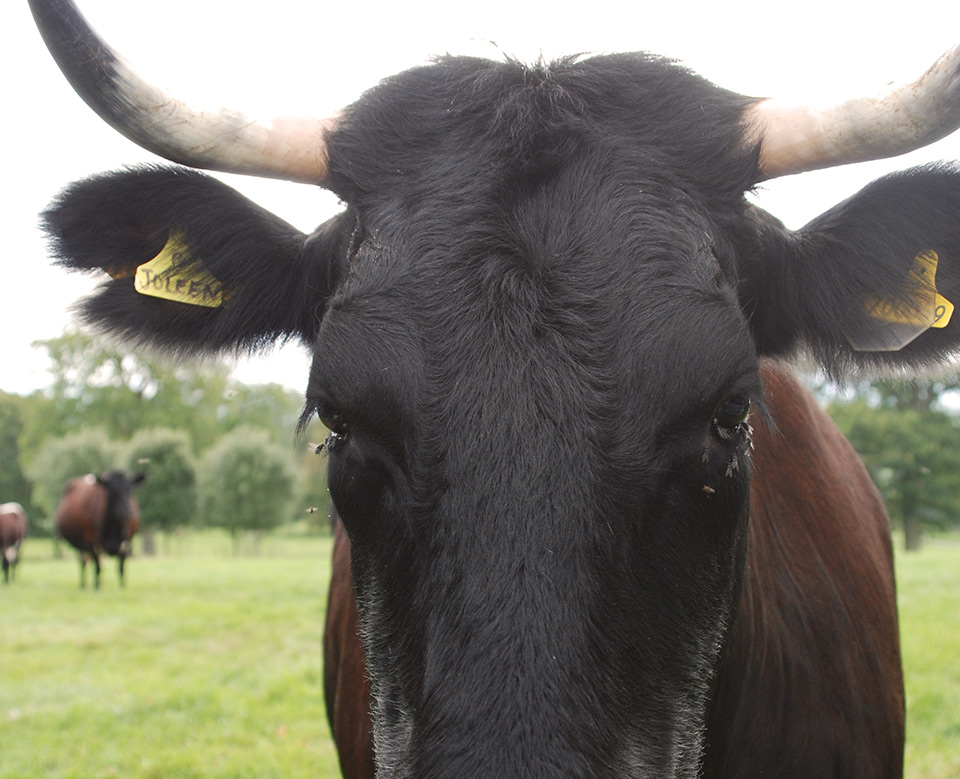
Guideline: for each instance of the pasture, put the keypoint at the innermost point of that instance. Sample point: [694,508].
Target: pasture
[208,665]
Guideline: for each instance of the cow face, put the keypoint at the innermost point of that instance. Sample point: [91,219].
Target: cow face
[120,511]
[536,329]
[528,427]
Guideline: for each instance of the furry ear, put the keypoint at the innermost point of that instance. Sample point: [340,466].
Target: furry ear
[196,266]
[870,283]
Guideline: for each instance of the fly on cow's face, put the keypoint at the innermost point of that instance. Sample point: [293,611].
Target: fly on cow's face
[334,441]
[331,443]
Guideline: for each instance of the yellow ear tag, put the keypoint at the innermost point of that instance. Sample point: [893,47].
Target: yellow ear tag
[899,324]
[942,312]
[175,274]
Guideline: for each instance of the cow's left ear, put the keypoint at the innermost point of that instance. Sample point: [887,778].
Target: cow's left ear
[871,282]
[195,266]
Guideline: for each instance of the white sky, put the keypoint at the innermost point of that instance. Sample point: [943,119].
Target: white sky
[295,56]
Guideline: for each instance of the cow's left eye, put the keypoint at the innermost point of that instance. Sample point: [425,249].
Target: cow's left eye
[332,419]
[731,413]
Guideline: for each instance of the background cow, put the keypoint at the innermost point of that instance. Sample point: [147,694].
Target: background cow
[13,529]
[99,515]
[539,327]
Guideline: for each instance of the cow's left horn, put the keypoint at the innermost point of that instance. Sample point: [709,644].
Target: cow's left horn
[902,118]
[285,148]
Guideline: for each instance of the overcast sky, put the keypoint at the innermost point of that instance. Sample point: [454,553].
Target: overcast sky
[299,56]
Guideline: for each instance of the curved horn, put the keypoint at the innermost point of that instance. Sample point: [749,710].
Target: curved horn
[902,118]
[289,148]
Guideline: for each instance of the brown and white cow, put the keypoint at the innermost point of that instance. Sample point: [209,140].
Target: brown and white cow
[596,528]
[13,529]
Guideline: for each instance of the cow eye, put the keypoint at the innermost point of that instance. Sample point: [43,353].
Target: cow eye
[731,413]
[332,419]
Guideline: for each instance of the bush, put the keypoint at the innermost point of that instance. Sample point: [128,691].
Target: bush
[168,498]
[246,483]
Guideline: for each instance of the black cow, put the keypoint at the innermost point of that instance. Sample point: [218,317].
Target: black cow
[594,530]
[13,529]
[99,515]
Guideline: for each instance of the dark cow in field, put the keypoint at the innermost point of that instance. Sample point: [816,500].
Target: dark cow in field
[596,528]
[99,515]
[13,529]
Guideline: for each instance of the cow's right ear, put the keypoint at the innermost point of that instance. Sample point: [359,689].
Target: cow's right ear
[195,266]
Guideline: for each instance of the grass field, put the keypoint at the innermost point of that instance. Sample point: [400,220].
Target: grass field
[928,584]
[204,666]
[209,666]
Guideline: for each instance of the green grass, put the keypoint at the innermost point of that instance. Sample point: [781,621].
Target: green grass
[208,665]
[204,666]
[928,584]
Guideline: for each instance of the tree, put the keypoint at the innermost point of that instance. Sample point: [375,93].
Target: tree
[270,407]
[128,389]
[61,459]
[910,447]
[94,380]
[246,483]
[14,485]
[125,389]
[168,497]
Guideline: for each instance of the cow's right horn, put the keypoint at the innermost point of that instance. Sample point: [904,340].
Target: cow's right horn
[904,117]
[286,148]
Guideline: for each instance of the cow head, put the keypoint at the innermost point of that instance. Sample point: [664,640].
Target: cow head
[535,330]
[121,514]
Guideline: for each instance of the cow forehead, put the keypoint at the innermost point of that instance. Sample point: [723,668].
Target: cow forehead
[487,125]
[589,228]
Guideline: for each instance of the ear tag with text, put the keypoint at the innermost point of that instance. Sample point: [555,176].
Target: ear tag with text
[175,274]
[897,324]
